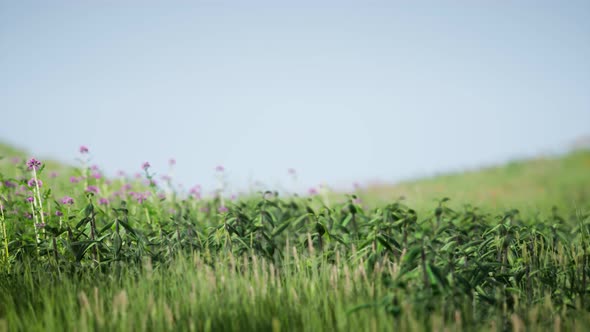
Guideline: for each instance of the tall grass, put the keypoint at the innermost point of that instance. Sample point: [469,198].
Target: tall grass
[124,256]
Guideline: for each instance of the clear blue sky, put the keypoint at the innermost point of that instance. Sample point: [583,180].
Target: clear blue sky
[343,91]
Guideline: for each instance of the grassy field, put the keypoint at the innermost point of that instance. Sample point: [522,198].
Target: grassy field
[531,185]
[508,252]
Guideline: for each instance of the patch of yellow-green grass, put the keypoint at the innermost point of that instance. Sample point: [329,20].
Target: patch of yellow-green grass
[537,184]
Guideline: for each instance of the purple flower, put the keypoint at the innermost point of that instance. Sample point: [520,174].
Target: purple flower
[103,201]
[58,213]
[141,197]
[94,167]
[28,215]
[92,189]
[33,164]
[33,182]
[312,191]
[15,160]
[172,162]
[30,199]
[292,171]
[219,168]
[67,200]
[126,186]
[74,179]
[204,209]
[40,225]
[195,190]
[121,174]
[9,184]
[222,209]
[145,166]
[83,149]
[166,178]
[53,175]
[96,175]
[161,196]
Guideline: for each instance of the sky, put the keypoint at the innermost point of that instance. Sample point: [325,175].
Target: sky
[340,91]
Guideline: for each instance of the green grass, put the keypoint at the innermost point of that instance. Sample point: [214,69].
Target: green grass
[265,263]
[532,185]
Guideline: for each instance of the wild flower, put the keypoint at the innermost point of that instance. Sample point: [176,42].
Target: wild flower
[145,166]
[92,189]
[33,164]
[9,184]
[195,190]
[74,179]
[219,168]
[53,175]
[103,201]
[30,199]
[40,225]
[292,171]
[83,149]
[140,197]
[222,209]
[34,182]
[312,191]
[67,200]
[172,162]
[59,213]
[97,175]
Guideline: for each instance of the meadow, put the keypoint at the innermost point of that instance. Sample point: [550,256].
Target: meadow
[500,249]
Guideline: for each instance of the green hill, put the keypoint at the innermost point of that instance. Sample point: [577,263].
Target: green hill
[535,184]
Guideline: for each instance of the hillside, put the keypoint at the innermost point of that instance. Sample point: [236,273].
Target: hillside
[536,184]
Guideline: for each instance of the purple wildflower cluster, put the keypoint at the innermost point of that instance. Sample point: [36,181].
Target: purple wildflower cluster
[34,182]
[33,164]
[67,200]
[92,189]
[140,197]
[195,192]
